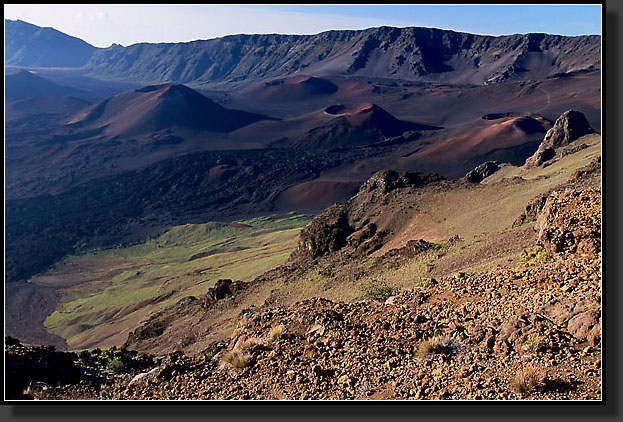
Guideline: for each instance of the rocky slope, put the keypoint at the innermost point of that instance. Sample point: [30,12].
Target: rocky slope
[357,224]
[531,331]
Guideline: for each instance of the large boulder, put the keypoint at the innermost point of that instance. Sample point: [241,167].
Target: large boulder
[568,127]
[482,171]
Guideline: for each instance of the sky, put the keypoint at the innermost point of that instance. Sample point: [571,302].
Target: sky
[103,25]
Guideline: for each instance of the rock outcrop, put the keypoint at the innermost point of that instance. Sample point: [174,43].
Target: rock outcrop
[571,222]
[484,170]
[570,126]
[224,288]
[355,223]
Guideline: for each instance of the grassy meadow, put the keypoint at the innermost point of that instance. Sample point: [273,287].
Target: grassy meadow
[104,294]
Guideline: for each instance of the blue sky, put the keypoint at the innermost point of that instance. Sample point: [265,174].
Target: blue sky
[102,25]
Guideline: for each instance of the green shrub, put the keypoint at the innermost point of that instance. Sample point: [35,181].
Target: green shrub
[424,282]
[534,257]
[376,290]
[116,365]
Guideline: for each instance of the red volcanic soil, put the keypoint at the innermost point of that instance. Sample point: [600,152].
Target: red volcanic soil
[297,88]
[315,195]
[341,126]
[336,126]
[503,133]
[157,107]
[507,139]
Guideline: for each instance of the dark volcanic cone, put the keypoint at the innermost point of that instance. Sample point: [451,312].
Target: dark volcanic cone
[371,116]
[355,125]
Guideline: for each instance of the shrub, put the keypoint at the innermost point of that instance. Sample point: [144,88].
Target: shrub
[534,257]
[116,365]
[424,282]
[376,290]
[527,380]
[275,333]
[441,346]
[533,343]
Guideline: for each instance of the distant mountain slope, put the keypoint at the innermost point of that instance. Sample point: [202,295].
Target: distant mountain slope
[420,54]
[158,107]
[24,84]
[423,54]
[32,46]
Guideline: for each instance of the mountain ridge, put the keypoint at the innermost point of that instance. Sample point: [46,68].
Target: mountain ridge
[411,53]
[31,45]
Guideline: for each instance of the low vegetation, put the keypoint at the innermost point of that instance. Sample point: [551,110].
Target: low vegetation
[275,333]
[535,256]
[424,282]
[534,343]
[527,379]
[438,346]
[240,355]
[185,260]
[376,290]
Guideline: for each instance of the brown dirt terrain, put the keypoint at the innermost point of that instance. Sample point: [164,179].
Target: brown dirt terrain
[364,234]
[468,336]
[379,223]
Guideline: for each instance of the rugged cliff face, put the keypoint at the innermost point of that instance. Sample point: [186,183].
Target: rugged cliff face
[402,53]
[570,126]
[419,54]
[361,223]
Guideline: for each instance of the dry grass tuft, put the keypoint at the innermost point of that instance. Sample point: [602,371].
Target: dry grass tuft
[237,358]
[534,343]
[275,333]
[527,380]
